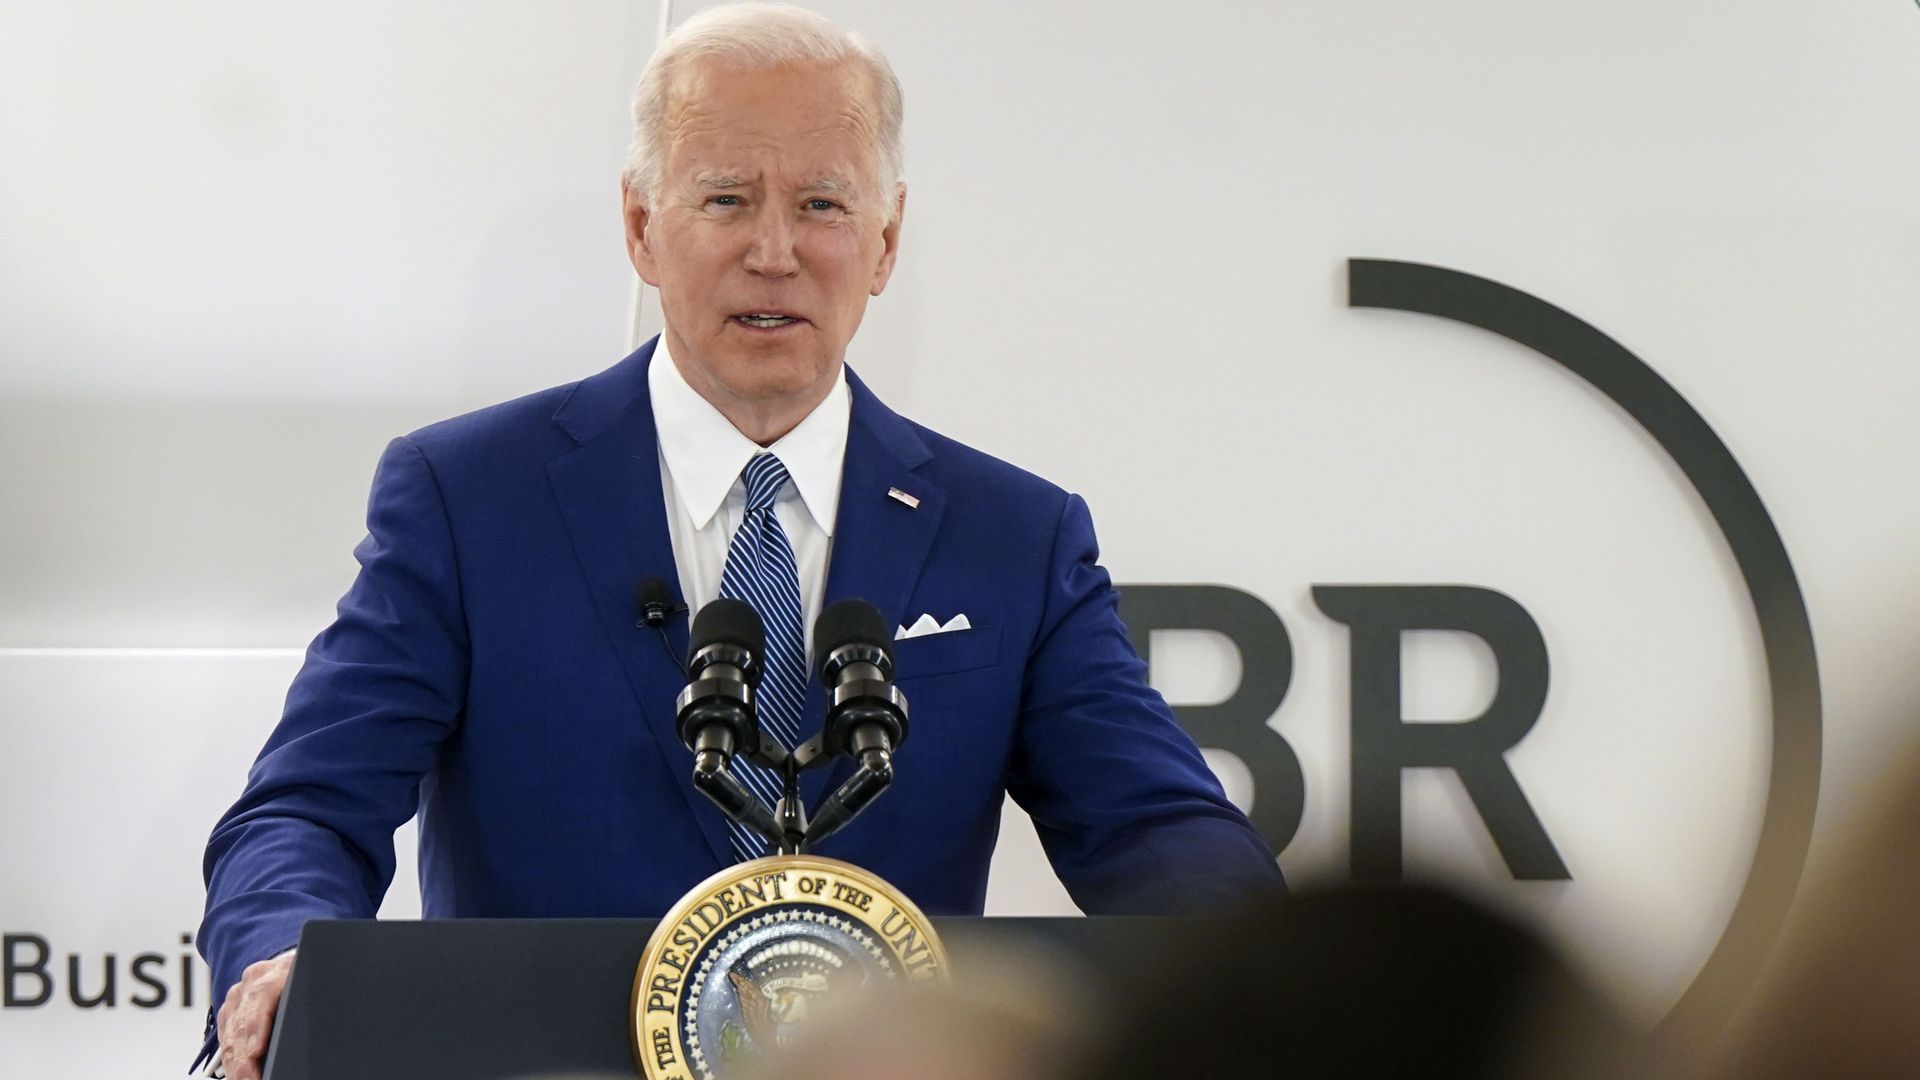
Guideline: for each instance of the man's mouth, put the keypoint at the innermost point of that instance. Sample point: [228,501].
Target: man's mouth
[766,320]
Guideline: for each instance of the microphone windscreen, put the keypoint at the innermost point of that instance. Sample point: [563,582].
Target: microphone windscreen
[651,593]
[731,621]
[850,622]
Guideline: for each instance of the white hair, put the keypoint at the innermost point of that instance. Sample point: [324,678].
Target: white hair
[761,36]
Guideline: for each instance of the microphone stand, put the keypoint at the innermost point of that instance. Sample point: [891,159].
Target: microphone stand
[791,813]
[866,720]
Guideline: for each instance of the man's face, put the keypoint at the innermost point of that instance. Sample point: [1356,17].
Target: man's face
[769,231]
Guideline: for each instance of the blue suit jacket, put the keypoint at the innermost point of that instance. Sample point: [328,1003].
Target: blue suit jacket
[485,670]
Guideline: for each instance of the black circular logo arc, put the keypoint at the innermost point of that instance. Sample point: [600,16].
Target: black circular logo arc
[1786,632]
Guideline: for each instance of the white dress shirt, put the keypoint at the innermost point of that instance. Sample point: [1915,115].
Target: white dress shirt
[701,458]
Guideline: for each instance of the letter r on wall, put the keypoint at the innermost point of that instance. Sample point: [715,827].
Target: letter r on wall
[1384,743]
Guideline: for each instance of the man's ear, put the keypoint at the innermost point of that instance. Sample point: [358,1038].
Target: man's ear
[890,240]
[639,252]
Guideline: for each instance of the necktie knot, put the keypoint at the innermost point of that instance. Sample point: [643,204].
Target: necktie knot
[764,476]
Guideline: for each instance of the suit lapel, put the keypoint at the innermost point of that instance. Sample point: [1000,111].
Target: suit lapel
[615,511]
[880,543]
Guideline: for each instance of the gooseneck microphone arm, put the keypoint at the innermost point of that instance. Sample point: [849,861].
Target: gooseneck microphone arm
[864,786]
[866,716]
[711,778]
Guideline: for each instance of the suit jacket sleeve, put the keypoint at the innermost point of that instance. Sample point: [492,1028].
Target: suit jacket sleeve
[312,833]
[1131,817]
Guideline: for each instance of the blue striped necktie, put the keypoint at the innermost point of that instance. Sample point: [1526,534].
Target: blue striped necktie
[761,570]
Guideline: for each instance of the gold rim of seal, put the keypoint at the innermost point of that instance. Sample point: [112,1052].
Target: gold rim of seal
[810,866]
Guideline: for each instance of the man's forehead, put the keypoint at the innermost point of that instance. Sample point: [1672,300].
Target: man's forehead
[709,95]
[701,75]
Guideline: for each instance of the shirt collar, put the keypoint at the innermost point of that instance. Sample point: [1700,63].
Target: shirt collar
[705,453]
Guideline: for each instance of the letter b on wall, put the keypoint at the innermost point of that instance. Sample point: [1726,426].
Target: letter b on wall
[1237,725]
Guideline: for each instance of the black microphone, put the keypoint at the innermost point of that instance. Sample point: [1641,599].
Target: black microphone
[866,713]
[653,602]
[714,713]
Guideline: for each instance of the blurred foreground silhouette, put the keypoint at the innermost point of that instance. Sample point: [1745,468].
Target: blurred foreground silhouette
[1381,982]
[1364,981]
[1842,994]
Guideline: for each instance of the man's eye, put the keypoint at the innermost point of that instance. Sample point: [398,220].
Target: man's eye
[822,205]
[724,200]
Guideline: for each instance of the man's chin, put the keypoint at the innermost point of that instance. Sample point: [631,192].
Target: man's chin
[778,381]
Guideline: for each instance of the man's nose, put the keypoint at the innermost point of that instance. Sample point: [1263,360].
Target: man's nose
[770,253]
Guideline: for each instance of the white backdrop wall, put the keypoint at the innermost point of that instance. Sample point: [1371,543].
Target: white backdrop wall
[241,245]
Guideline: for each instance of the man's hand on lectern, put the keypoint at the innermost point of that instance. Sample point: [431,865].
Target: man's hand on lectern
[246,1017]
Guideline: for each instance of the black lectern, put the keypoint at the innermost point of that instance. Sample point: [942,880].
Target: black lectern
[519,999]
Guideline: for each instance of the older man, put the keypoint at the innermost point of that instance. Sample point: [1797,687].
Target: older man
[486,669]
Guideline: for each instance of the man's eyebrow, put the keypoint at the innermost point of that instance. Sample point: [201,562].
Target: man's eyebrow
[834,185]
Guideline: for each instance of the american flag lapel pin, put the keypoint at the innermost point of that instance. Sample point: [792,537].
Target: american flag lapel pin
[912,502]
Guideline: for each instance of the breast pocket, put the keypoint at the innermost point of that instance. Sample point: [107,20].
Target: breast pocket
[944,654]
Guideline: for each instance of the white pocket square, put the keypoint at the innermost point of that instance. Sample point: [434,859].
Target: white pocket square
[925,625]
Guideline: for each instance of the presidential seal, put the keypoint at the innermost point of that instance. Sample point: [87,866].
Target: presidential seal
[740,966]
